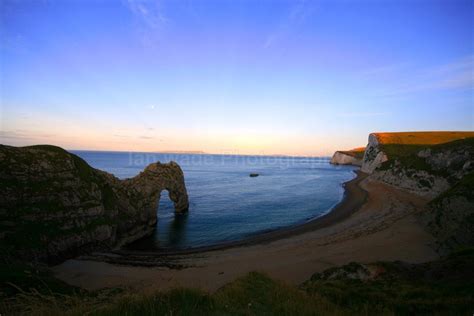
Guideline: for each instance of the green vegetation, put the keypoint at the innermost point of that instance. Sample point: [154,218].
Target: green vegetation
[451,215]
[407,155]
[43,185]
[464,188]
[442,287]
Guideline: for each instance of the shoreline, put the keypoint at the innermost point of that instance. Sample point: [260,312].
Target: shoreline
[353,199]
[384,228]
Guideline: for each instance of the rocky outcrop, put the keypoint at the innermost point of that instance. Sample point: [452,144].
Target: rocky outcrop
[382,146]
[373,155]
[350,157]
[433,165]
[54,205]
[430,168]
[341,158]
[450,217]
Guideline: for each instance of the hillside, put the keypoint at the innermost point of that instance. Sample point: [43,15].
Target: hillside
[437,165]
[55,206]
[390,146]
[380,288]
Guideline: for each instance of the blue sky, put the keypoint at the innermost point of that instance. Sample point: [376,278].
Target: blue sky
[258,77]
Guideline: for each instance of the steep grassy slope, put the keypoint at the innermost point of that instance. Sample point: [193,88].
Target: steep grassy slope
[442,159]
[450,217]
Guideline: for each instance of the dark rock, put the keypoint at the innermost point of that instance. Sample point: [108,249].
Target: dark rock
[62,207]
[253,175]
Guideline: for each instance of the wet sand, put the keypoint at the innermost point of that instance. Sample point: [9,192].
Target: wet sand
[374,222]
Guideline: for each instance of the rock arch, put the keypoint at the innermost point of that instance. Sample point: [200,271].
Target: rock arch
[158,177]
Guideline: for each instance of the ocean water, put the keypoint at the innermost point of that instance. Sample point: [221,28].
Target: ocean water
[225,203]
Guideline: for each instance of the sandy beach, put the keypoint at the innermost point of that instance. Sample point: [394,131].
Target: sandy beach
[374,222]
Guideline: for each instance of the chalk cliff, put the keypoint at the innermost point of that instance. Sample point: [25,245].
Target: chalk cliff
[437,165]
[349,157]
[55,206]
[426,163]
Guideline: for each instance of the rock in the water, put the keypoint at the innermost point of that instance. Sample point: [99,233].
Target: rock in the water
[55,206]
[253,175]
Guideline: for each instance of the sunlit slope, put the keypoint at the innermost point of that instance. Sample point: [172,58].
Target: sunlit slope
[421,138]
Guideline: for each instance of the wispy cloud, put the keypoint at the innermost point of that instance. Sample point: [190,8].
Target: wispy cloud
[18,134]
[148,12]
[151,20]
[363,114]
[384,70]
[297,15]
[403,79]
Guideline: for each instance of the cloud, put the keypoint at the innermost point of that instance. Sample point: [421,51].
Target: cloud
[24,135]
[150,13]
[363,114]
[402,80]
[384,70]
[151,20]
[297,15]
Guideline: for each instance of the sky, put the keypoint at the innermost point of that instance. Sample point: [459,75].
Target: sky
[241,77]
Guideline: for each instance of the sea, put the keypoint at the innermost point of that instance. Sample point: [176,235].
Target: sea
[226,204]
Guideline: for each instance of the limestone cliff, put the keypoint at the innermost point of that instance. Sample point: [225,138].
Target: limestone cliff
[437,165]
[55,206]
[426,163]
[376,151]
[373,155]
[349,157]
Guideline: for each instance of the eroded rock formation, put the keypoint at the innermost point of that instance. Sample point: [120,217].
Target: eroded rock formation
[350,157]
[54,205]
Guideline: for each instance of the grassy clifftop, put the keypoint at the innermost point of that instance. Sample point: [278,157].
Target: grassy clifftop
[421,138]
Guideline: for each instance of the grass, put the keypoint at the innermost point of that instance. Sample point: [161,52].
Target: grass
[421,138]
[407,155]
[253,294]
[464,188]
[442,287]
[52,181]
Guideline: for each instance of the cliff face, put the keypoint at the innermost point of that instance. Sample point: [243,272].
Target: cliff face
[437,165]
[426,169]
[350,157]
[373,156]
[55,206]
[379,143]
